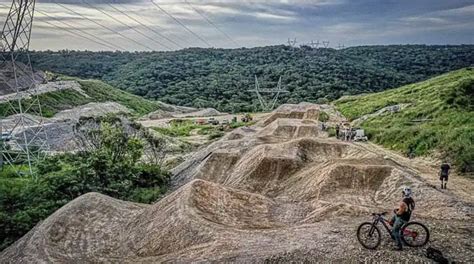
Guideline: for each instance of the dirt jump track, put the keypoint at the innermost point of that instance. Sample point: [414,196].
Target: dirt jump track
[279,191]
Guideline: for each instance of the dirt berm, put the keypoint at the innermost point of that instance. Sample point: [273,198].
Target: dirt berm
[278,191]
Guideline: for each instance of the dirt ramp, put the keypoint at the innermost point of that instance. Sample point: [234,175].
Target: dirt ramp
[231,207]
[293,111]
[217,166]
[288,128]
[197,213]
[83,230]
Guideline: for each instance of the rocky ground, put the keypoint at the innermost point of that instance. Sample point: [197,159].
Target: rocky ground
[279,191]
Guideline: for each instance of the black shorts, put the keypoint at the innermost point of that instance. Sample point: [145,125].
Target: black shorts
[443,177]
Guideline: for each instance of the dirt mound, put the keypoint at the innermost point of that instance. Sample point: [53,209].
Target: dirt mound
[201,113]
[291,128]
[91,109]
[169,111]
[299,111]
[23,81]
[95,231]
[272,192]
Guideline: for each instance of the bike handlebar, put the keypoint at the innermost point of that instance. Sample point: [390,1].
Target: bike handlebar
[379,214]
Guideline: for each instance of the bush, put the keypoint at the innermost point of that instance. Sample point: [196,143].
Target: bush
[323,117]
[111,165]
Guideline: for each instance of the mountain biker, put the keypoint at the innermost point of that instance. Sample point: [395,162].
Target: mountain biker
[443,174]
[402,215]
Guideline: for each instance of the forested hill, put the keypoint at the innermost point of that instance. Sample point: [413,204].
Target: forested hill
[221,78]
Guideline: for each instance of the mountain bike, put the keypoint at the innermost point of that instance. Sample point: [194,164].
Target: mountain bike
[413,234]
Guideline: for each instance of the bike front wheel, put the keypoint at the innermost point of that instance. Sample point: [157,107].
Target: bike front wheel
[415,234]
[369,235]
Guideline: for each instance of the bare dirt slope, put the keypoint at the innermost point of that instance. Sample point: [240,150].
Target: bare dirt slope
[278,191]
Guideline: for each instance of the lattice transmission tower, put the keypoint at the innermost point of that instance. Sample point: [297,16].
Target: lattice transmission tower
[268,102]
[23,139]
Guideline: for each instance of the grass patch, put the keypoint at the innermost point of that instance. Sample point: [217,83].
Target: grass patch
[102,92]
[54,102]
[439,117]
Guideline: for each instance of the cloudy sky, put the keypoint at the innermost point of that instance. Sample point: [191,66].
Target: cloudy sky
[174,24]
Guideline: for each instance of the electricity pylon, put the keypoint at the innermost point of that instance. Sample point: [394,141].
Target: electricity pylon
[313,44]
[23,139]
[268,103]
[292,42]
[325,44]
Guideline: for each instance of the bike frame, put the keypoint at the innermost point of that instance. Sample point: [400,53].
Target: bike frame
[380,219]
[385,223]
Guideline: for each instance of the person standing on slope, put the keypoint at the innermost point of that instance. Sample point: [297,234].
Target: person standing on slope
[402,215]
[443,174]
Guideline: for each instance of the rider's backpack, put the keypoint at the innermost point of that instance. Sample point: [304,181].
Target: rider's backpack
[436,255]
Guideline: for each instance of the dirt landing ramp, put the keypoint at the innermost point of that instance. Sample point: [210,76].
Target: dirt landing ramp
[261,194]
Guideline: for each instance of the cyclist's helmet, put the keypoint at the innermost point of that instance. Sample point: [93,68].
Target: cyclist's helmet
[406,191]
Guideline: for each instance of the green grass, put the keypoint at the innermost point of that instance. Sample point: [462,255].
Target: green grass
[439,117]
[185,128]
[53,102]
[102,92]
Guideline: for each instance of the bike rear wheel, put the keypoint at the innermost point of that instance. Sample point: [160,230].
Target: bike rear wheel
[415,234]
[369,235]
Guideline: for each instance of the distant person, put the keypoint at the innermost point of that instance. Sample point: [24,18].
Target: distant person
[402,215]
[337,130]
[443,174]
[348,133]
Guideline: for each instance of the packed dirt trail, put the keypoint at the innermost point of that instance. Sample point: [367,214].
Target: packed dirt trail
[278,191]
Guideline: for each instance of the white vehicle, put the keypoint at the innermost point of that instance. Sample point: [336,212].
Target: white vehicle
[360,135]
[6,136]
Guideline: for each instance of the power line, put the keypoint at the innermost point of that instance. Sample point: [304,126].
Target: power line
[145,26]
[103,26]
[126,25]
[211,23]
[179,22]
[69,31]
[108,44]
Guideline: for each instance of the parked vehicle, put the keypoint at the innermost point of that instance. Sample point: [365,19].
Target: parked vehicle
[200,121]
[213,121]
[6,136]
[247,118]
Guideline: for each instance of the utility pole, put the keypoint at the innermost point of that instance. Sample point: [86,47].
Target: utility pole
[23,139]
[267,103]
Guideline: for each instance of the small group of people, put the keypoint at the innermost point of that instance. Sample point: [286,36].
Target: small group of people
[344,132]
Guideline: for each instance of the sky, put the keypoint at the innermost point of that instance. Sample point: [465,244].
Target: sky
[175,24]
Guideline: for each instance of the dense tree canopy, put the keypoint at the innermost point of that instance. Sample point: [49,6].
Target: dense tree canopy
[221,78]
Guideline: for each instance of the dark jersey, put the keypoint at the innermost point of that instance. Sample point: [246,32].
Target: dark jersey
[410,207]
[445,170]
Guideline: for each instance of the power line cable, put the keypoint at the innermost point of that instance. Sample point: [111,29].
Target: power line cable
[211,23]
[145,26]
[103,26]
[126,25]
[70,31]
[110,44]
[169,33]
[180,23]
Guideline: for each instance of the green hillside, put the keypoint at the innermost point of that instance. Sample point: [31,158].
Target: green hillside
[221,78]
[53,102]
[439,117]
